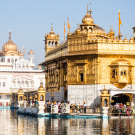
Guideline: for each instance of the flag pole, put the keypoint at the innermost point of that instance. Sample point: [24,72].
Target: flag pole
[119,23]
[64,31]
[67,25]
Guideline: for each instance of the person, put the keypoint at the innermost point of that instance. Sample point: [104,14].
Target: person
[124,110]
[121,108]
[85,105]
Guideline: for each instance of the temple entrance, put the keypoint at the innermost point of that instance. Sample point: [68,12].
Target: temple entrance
[120,98]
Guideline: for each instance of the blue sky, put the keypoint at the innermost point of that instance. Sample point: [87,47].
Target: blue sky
[29,20]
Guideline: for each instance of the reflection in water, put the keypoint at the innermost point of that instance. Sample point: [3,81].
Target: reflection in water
[13,124]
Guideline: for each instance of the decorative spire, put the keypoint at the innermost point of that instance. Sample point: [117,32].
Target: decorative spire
[87,8]
[10,34]
[78,25]
[90,9]
[52,27]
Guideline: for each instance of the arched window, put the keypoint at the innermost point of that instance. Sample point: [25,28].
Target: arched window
[18,83]
[105,103]
[19,67]
[20,98]
[27,84]
[49,43]
[12,60]
[52,43]
[121,73]
[22,83]
[23,67]
[56,43]
[27,67]
[32,84]
[3,60]
[41,98]
[16,59]
[8,60]
[125,73]
[113,74]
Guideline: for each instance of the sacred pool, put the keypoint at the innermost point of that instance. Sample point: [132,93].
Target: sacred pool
[12,123]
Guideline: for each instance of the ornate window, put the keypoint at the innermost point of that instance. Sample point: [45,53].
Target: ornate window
[4,84]
[12,60]
[114,73]
[8,60]
[81,76]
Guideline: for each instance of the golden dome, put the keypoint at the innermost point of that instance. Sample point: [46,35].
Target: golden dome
[105,93]
[99,30]
[52,33]
[120,40]
[20,90]
[131,40]
[78,32]
[125,40]
[87,19]
[31,52]
[9,46]
[41,88]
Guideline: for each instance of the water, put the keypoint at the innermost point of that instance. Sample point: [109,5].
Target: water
[13,124]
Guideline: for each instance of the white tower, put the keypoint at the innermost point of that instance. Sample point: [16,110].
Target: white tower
[31,55]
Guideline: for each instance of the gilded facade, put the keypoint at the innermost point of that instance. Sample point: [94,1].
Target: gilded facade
[78,69]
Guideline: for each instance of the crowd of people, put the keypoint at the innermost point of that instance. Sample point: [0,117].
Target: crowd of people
[74,108]
[122,110]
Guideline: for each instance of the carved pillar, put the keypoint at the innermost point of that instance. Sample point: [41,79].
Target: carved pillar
[61,75]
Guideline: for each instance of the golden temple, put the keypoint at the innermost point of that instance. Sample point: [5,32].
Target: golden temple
[90,57]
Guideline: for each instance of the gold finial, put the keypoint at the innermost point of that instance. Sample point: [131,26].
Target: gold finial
[10,34]
[78,25]
[51,26]
[87,8]
[90,9]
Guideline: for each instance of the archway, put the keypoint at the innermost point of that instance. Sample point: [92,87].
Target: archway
[120,98]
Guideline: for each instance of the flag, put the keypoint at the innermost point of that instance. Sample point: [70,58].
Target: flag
[68,25]
[64,28]
[119,18]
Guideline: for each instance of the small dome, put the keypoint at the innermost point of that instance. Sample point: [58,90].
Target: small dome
[87,19]
[120,40]
[41,88]
[99,30]
[9,46]
[51,32]
[104,91]
[131,40]
[78,32]
[20,90]
[31,52]
[125,40]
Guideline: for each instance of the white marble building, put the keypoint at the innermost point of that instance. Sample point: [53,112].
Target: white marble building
[16,72]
